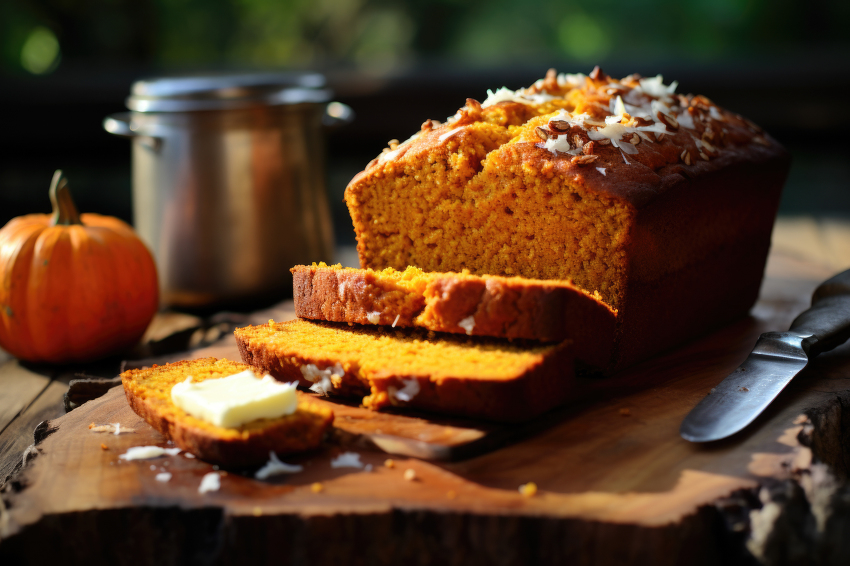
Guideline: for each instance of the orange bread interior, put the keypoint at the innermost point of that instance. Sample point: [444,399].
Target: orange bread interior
[453,374]
[149,393]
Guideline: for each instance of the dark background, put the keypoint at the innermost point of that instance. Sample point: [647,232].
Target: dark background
[66,64]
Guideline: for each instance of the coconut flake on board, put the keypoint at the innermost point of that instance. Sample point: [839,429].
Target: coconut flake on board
[347,460]
[147,452]
[210,482]
[275,467]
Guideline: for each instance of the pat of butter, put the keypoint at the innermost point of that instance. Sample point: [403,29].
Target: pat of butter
[235,400]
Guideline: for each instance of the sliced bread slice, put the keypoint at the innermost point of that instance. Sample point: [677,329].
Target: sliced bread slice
[503,307]
[449,373]
[148,391]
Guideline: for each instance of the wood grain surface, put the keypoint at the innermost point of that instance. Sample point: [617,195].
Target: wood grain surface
[616,484]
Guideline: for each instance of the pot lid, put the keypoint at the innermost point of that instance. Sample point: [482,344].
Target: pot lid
[221,91]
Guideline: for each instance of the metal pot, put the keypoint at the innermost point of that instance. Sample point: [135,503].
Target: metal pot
[228,182]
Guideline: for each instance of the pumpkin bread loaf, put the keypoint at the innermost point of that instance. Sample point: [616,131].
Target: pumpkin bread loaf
[149,394]
[663,204]
[448,373]
[503,307]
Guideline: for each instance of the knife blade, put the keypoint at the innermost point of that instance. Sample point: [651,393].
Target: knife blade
[775,360]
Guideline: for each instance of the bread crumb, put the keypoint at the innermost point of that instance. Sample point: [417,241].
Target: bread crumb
[451,494]
[528,489]
[103,446]
[410,474]
[317,487]
[92,425]
[389,463]
[625,412]
[257,512]
[743,389]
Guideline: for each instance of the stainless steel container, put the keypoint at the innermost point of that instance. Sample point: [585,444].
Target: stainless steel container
[228,182]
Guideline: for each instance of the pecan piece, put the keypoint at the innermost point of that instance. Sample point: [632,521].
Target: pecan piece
[598,74]
[559,126]
[584,159]
[542,133]
[686,157]
[669,121]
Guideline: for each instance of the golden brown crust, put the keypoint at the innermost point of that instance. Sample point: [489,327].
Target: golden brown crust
[249,445]
[501,307]
[509,391]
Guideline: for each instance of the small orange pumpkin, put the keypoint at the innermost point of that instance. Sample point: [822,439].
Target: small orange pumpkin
[73,287]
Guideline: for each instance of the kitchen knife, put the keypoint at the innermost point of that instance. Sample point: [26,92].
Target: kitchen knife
[773,363]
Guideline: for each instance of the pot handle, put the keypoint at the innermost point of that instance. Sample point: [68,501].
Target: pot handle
[121,124]
[337,114]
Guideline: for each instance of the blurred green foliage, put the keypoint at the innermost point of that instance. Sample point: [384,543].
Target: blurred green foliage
[386,34]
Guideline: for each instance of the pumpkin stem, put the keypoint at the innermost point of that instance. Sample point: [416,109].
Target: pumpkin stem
[64,211]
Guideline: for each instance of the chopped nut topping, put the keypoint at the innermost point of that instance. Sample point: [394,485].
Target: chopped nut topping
[389,463]
[393,144]
[577,141]
[588,148]
[542,133]
[635,139]
[410,474]
[428,125]
[559,126]
[668,121]
[686,157]
[660,137]
[584,159]
[603,141]
[760,140]
[704,156]
[598,74]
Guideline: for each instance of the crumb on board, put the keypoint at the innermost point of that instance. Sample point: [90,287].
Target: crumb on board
[528,489]
[317,487]
[410,474]
[103,446]
[389,463]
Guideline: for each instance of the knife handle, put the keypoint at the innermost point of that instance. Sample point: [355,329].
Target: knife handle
[827,322]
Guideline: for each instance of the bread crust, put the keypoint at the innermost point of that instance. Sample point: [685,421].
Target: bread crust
[545,383]
[301,431]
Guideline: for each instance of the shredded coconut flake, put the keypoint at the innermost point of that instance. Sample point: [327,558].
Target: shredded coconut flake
[163,477]
[321,378]
[601,170]
[347,460]
[275,467]
[407,392]
[467,324]
[373,317]
[450,133]
[210,482]
[147,452]
[114,428]
[398,316]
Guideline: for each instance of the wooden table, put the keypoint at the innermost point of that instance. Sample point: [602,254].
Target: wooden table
[616,482]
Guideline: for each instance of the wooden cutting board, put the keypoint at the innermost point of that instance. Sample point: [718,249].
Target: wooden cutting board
[616,482]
